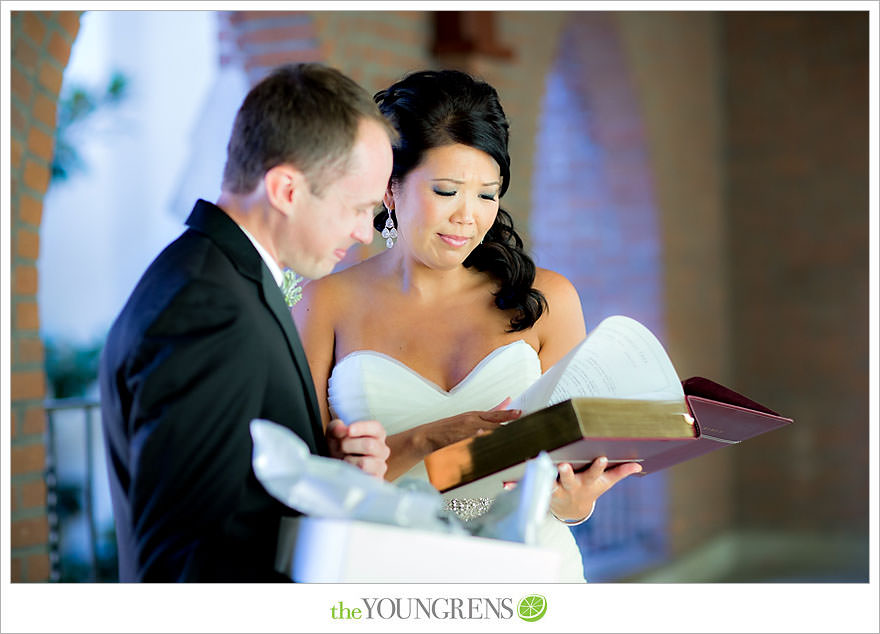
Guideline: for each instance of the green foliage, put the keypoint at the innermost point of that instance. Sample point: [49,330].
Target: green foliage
[71,368]
[75,106]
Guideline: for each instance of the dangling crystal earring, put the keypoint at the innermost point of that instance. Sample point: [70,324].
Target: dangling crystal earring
[389,232]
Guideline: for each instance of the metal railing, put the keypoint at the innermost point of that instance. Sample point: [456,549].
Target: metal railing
[73,418]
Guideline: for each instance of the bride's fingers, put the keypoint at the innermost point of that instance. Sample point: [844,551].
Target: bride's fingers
[567,479]
[598,467]
[502,404]
[500,415]
[620,472]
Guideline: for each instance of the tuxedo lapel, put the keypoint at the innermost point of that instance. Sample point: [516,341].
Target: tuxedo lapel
[228,236]
[274,300]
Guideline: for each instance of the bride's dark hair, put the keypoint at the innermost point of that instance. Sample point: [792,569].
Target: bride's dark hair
[435,108]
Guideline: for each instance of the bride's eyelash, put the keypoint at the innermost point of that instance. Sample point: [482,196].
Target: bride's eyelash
[441,192]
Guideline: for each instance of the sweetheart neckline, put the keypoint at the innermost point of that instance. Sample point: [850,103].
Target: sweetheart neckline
[429,382]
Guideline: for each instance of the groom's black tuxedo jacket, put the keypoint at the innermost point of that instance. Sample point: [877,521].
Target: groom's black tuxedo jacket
[204,344]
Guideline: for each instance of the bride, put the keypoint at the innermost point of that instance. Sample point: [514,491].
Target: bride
[433,336]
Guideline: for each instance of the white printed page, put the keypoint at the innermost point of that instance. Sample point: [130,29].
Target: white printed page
[620,358]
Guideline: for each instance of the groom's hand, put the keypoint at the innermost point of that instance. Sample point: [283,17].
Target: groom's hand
[362,444]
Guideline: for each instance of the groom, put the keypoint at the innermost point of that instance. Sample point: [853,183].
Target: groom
[206,343]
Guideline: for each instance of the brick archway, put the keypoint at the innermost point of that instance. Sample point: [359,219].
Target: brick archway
[594,211]
[41,45]
[595,220]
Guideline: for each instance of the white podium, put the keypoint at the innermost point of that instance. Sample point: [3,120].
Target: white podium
[314,550]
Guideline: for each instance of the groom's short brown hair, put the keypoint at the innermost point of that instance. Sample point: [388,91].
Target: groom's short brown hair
[306,115]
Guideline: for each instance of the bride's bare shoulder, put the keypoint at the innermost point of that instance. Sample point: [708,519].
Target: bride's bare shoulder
[336,291]
[561,326]
[557,288]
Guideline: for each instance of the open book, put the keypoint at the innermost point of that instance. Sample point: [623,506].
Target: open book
[616,394]
[619,359]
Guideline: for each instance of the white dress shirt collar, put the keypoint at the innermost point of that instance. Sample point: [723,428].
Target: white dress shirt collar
[274,269]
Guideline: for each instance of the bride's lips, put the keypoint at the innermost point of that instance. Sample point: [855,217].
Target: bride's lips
[453,240]
[340,253]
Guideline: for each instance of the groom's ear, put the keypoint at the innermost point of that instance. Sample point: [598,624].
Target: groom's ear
[283,184]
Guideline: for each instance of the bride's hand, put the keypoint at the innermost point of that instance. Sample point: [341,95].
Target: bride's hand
[575,495]
[362,444]
[446,431]
[410,447]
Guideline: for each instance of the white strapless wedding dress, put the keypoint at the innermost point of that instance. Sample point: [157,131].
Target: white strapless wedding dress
[371,385]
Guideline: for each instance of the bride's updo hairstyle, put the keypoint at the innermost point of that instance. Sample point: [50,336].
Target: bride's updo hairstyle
[435,108]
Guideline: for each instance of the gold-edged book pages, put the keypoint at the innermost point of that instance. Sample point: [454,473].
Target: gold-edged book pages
[583,428]
[617,383]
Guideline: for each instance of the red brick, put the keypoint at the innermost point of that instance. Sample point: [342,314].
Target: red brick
[33,26]
[269,60]
[27,385]
[40,144]
[28,459]
[32,494]
[34,421]
[17,565]
[30,532]
[16,150]
[59,48]
[18,119]
[29,350]
[69,21]
[245,16]
[27,316]
[30,210]
[278,34]
[21,86]
[36,176]
[45,110]
[38,567]
[27,242]
[24,280]
[50,78]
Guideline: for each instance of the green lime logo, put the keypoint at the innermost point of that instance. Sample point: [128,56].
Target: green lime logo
[532,608]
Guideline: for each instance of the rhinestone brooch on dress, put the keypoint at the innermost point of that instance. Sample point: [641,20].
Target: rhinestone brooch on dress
[469,508]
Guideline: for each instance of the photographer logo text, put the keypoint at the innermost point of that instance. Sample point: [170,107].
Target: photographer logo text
[530,608]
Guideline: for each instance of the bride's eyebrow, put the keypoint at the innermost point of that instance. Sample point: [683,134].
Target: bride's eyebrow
[459,182]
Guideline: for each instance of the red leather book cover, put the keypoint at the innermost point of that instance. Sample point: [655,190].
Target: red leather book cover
[722,418]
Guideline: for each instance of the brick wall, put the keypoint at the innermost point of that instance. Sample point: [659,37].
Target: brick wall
[41,43]
[262,40]
[675,66]
[375,48]
[797,139]
[594,217]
